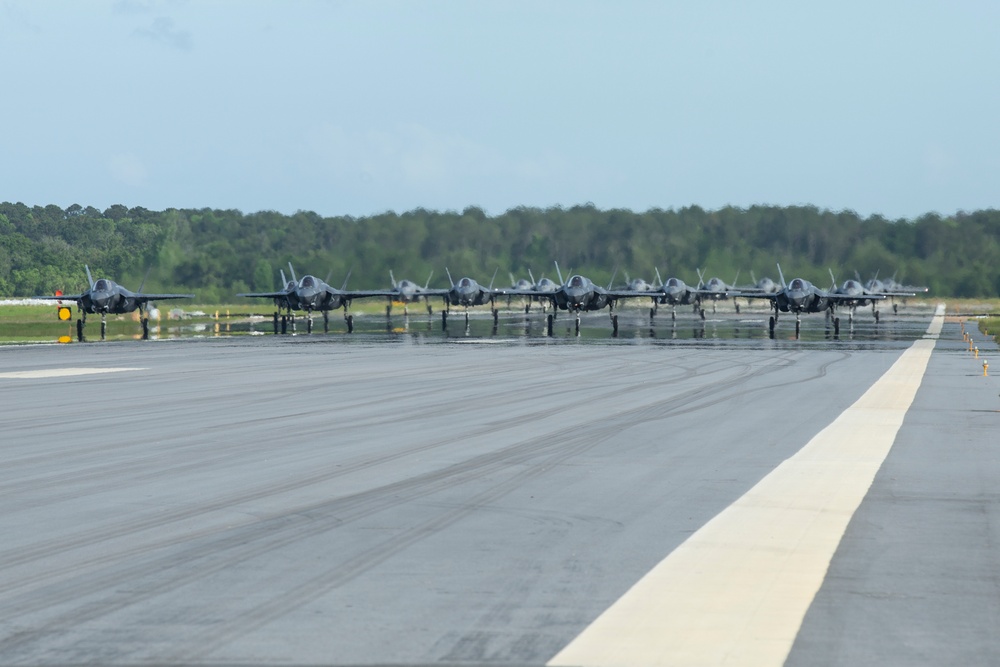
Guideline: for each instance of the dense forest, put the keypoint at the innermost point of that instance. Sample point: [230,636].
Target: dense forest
[216,253]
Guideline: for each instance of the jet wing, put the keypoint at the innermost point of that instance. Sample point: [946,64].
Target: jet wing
[258,295]
[631,294]
[144,297]
[64,297]
[500,291]
[363,293]
[853,297]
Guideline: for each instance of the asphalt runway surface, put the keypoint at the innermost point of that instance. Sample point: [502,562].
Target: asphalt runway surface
[414,498]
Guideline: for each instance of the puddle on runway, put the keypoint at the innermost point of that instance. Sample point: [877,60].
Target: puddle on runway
[514,327]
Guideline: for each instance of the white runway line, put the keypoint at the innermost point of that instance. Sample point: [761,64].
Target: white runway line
[737,590]
[62,372]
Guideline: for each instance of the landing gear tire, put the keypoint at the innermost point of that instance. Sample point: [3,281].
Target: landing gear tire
[79,330]
[614,325]
[548,323]
[350,323]
[145,328]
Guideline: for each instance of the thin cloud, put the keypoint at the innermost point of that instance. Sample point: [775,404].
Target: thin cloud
[163,31]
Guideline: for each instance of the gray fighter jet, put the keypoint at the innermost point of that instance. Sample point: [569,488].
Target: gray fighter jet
[519,284]
[891,289]
[407,292]
[715,290]
[106,297]
[675,292]
[310,294]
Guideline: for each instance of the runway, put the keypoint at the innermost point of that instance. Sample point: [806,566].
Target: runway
[411,500]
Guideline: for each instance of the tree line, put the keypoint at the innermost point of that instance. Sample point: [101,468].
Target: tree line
[217,253]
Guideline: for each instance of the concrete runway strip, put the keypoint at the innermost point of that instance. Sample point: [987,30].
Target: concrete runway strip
[312,502]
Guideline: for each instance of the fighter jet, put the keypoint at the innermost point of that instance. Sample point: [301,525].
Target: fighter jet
[638,285]
[311,294]
[763,286]
[407,292]
[891,289]
[715,290]
[801,296]
[544,286]
[891,285]
[520,284]
[855,295]
[675,292]
[105,297]
[467,292]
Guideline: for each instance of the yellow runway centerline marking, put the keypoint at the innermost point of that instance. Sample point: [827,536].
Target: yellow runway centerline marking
[62,372]
[737,590]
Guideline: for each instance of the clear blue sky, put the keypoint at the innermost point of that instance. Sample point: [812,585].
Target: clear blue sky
[362,107]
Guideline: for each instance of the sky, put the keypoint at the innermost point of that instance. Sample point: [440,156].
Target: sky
[360,107]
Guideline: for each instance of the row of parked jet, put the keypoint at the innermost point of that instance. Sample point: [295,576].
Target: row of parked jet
[577,294]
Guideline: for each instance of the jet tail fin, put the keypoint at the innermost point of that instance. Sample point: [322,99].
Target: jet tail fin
[559,273]
[90,278]
[449,276]
[284,280]
[612,281]
[533,283]
[494,278]
[781,277]
[701,278]
[346,279]
[833,281]
[144,280]
[290,268]
[656,270]
[429,276]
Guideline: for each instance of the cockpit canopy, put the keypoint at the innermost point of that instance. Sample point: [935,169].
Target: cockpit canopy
[577,281]
[102,285]
[307,281]
[465,282]
[673,282]
[797,284]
